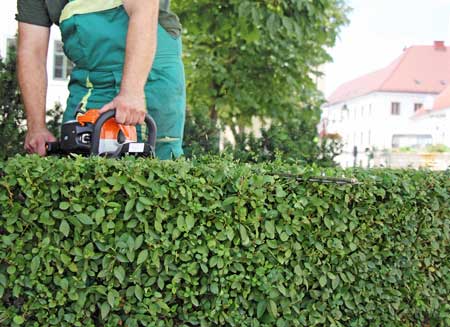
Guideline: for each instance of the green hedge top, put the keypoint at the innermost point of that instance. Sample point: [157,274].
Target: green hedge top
[97,242]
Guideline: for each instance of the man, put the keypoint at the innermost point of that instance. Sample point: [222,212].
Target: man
[127,55]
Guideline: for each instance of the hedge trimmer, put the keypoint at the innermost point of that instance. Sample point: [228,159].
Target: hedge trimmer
[93,133]
[322,179]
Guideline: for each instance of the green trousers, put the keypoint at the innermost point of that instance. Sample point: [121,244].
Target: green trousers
[94,36]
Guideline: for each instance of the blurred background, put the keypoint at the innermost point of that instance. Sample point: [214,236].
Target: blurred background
[332,82]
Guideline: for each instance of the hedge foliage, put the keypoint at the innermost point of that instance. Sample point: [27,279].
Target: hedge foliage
[97,242]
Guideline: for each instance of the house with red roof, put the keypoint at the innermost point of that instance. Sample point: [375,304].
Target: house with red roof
[381,110]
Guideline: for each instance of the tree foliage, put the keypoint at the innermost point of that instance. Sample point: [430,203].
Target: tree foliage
[12,117]
[256,58]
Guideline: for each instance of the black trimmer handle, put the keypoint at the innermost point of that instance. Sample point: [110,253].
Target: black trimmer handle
[104,117]
[53,148]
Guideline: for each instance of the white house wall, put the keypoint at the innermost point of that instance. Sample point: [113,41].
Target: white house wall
[438,124]
[57,89]
[368,122]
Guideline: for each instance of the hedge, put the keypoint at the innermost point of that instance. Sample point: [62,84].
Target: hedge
[134,242]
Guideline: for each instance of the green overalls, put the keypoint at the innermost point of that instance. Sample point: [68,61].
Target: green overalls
[94,35]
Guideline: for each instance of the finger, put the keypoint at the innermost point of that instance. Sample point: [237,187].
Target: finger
[141,117]
[135,118]
[32,146]
[121,116]
[128,118]
[28,148]
[51,138]
[40,149]
[107,107]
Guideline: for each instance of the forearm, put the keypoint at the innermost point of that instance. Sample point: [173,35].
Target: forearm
[141,44]
[32,77]
[33,85]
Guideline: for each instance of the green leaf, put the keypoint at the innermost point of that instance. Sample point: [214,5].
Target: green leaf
[119,273]
[272,308]
[11,270]
[190,222]
[323,280]
[104,309]
[99,215]
[142,180]
[112,298]
[19,320]
[35,264]
[230,233]
[64,205]
[284,237]
[328,222]
[181,223]
[138,292]
[130,206]
[244,236]
[73,267]
[270,228]
[158,225]
[138,242]
[145,201]
[64,228]
[85,219]
[261,308]
[142,257]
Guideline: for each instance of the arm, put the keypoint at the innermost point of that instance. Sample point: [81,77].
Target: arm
[140,52]
[32,76]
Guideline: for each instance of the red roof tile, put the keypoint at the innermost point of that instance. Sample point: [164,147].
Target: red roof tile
[421,112]
[442,101]
[420,69]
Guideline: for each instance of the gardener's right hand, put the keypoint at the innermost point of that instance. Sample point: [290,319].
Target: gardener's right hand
[35,140]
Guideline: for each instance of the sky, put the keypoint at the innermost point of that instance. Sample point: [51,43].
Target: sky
[378,32]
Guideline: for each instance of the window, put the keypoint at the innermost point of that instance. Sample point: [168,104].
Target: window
[395,108]
[417,141]
[362,111]
[417,106]
[369,137]
[62,66]
[11,44]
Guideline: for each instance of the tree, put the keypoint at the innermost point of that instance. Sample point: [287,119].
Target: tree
[255,58]
[12,117]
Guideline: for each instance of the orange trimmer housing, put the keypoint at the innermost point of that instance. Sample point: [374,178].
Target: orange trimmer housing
[92,133]
[111,129]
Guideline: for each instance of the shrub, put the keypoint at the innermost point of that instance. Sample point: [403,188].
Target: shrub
[97,242]
[440,148]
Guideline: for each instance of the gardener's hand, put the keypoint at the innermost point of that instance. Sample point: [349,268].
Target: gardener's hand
[130,108]
[35,140]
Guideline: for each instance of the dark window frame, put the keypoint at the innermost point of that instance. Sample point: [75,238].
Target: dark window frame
[417,106]
[395,108]
[65,67]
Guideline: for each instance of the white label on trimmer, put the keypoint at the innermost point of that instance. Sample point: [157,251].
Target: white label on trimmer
[136,147]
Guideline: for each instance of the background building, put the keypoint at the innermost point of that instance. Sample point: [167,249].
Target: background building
[58,66]
[376,111]
[435,120]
